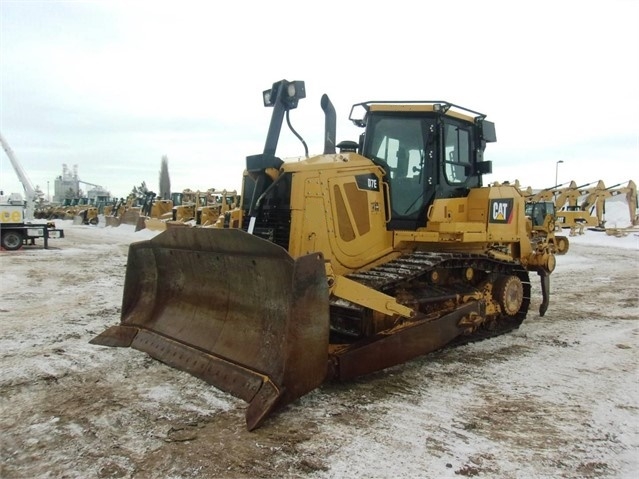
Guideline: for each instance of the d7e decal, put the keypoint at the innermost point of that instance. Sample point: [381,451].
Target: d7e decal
[368,182]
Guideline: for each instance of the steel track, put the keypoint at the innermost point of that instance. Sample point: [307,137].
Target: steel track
[413,270]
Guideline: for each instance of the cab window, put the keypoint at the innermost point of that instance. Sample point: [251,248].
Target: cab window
[457,156]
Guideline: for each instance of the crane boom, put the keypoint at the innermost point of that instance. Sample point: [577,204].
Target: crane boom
[90,184]
[29,191]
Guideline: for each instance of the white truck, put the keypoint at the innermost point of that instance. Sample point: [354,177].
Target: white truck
[17,227]
[16,230]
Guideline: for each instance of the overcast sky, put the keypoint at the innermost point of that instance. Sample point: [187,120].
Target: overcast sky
[113,86]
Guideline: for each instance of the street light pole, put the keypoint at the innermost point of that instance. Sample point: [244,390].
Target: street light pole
[557,172]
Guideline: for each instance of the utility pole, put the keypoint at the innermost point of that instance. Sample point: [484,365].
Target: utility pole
[557,171]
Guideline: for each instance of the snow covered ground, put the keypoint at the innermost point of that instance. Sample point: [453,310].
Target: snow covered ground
[558,398]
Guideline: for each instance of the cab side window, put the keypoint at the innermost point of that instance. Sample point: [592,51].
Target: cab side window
[457,156]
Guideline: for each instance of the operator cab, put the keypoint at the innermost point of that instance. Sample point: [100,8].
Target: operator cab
[537,211]
[428,150]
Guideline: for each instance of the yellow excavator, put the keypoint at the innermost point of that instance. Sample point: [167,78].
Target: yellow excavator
[343,263]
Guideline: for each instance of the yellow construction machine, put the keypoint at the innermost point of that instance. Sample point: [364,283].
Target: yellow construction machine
[345,262]
[218,202]
[185,211]
[155,212]
[129,212]
[86,215]
[113,214]
[161,212]
[541,210]
[590,212]
[203,208]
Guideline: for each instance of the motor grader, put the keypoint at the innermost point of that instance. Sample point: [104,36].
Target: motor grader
[345,262]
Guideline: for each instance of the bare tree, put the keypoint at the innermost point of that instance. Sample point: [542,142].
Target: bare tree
[165,181]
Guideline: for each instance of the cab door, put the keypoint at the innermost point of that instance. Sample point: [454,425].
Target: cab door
[405,146]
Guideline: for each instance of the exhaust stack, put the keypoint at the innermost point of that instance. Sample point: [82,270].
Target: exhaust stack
[330,125]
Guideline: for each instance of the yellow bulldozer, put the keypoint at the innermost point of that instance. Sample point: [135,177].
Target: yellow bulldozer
[155,212]
[199,208]
[185,211]
[129,211]
[345,263]
[216,204]
[113,213]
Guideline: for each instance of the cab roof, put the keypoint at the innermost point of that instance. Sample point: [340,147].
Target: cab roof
[360,111]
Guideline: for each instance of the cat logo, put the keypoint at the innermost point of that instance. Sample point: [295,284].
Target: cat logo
[501,211]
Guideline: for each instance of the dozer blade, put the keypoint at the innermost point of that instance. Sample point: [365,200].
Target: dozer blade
[141,223]
[130,216]
[155,224]
[178,224]
[112,221]
[232,309]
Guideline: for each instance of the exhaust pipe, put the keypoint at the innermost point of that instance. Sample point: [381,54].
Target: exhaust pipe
[330,125]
